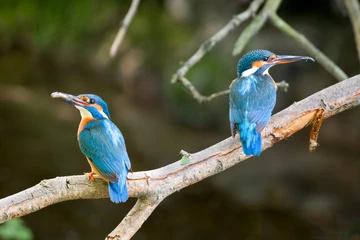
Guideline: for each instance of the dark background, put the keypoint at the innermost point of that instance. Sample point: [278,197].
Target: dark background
[286,193]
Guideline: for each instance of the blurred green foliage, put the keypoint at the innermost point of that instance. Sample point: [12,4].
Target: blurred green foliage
[66,24]
[15,230]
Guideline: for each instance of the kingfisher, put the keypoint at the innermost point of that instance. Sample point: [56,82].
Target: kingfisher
[253,96]
[101,142]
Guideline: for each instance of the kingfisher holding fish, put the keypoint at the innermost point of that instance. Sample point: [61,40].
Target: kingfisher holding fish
[101,142]
[253,96]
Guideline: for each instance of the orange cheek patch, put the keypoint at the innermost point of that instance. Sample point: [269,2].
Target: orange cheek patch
[258,64]
[98,107]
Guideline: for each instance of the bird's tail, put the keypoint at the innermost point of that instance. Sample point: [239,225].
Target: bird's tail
[118,191]
[250,139]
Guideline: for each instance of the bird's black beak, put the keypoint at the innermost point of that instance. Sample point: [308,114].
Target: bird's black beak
[74,100]
[283,59]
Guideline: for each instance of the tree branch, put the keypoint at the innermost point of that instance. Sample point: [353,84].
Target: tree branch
[135,218]
[269,11]
[353,8]
[123,27]
[200,98]
[326,62]
[220,35]
[151,187]
[256,24]
[206,46]
[283,85]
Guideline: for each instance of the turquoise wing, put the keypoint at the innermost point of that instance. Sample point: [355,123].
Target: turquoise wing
[102,142]
[253,98]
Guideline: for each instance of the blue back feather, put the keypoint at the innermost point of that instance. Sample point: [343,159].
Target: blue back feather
[252,100]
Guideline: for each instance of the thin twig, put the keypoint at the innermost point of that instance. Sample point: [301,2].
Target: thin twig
[135,218]
[283,85]
[215,95]
[268,11]
[326,62]
[153,186]
[270,7]
[220,35]
[201,98]
[123,28]
[256,24]
[251,30]
[353,8]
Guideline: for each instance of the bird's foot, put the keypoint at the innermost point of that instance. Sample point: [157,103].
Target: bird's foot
[91,176]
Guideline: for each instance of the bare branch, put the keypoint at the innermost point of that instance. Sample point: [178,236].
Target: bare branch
[269,10]
[220,35]
[353,8]
[153,186]
[135,218]
[123,28]
[283,85]
[251,30]
[200,98]
[256,24]
[326,62]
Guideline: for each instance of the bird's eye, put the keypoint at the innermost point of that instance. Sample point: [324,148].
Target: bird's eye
[92,101]
[265,59]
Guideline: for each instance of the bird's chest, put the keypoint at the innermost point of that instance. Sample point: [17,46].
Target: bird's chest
[91,135]
[98,135]
[88,140]
[83,123]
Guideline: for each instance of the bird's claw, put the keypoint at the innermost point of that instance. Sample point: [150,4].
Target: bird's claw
[90,176]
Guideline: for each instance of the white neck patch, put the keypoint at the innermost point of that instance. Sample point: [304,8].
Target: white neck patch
[249,72]
[103,114]
[266,72]
[86,114]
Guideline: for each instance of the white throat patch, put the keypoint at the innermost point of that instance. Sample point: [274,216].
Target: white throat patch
[249,72]
[86,114]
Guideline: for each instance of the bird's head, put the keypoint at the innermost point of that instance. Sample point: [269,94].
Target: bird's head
[89,105]
[259,61]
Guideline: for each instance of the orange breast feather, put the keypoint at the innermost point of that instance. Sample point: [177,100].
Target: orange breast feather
[82,124]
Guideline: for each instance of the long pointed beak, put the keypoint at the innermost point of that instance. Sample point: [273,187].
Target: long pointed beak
[283,59]
[74,100]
